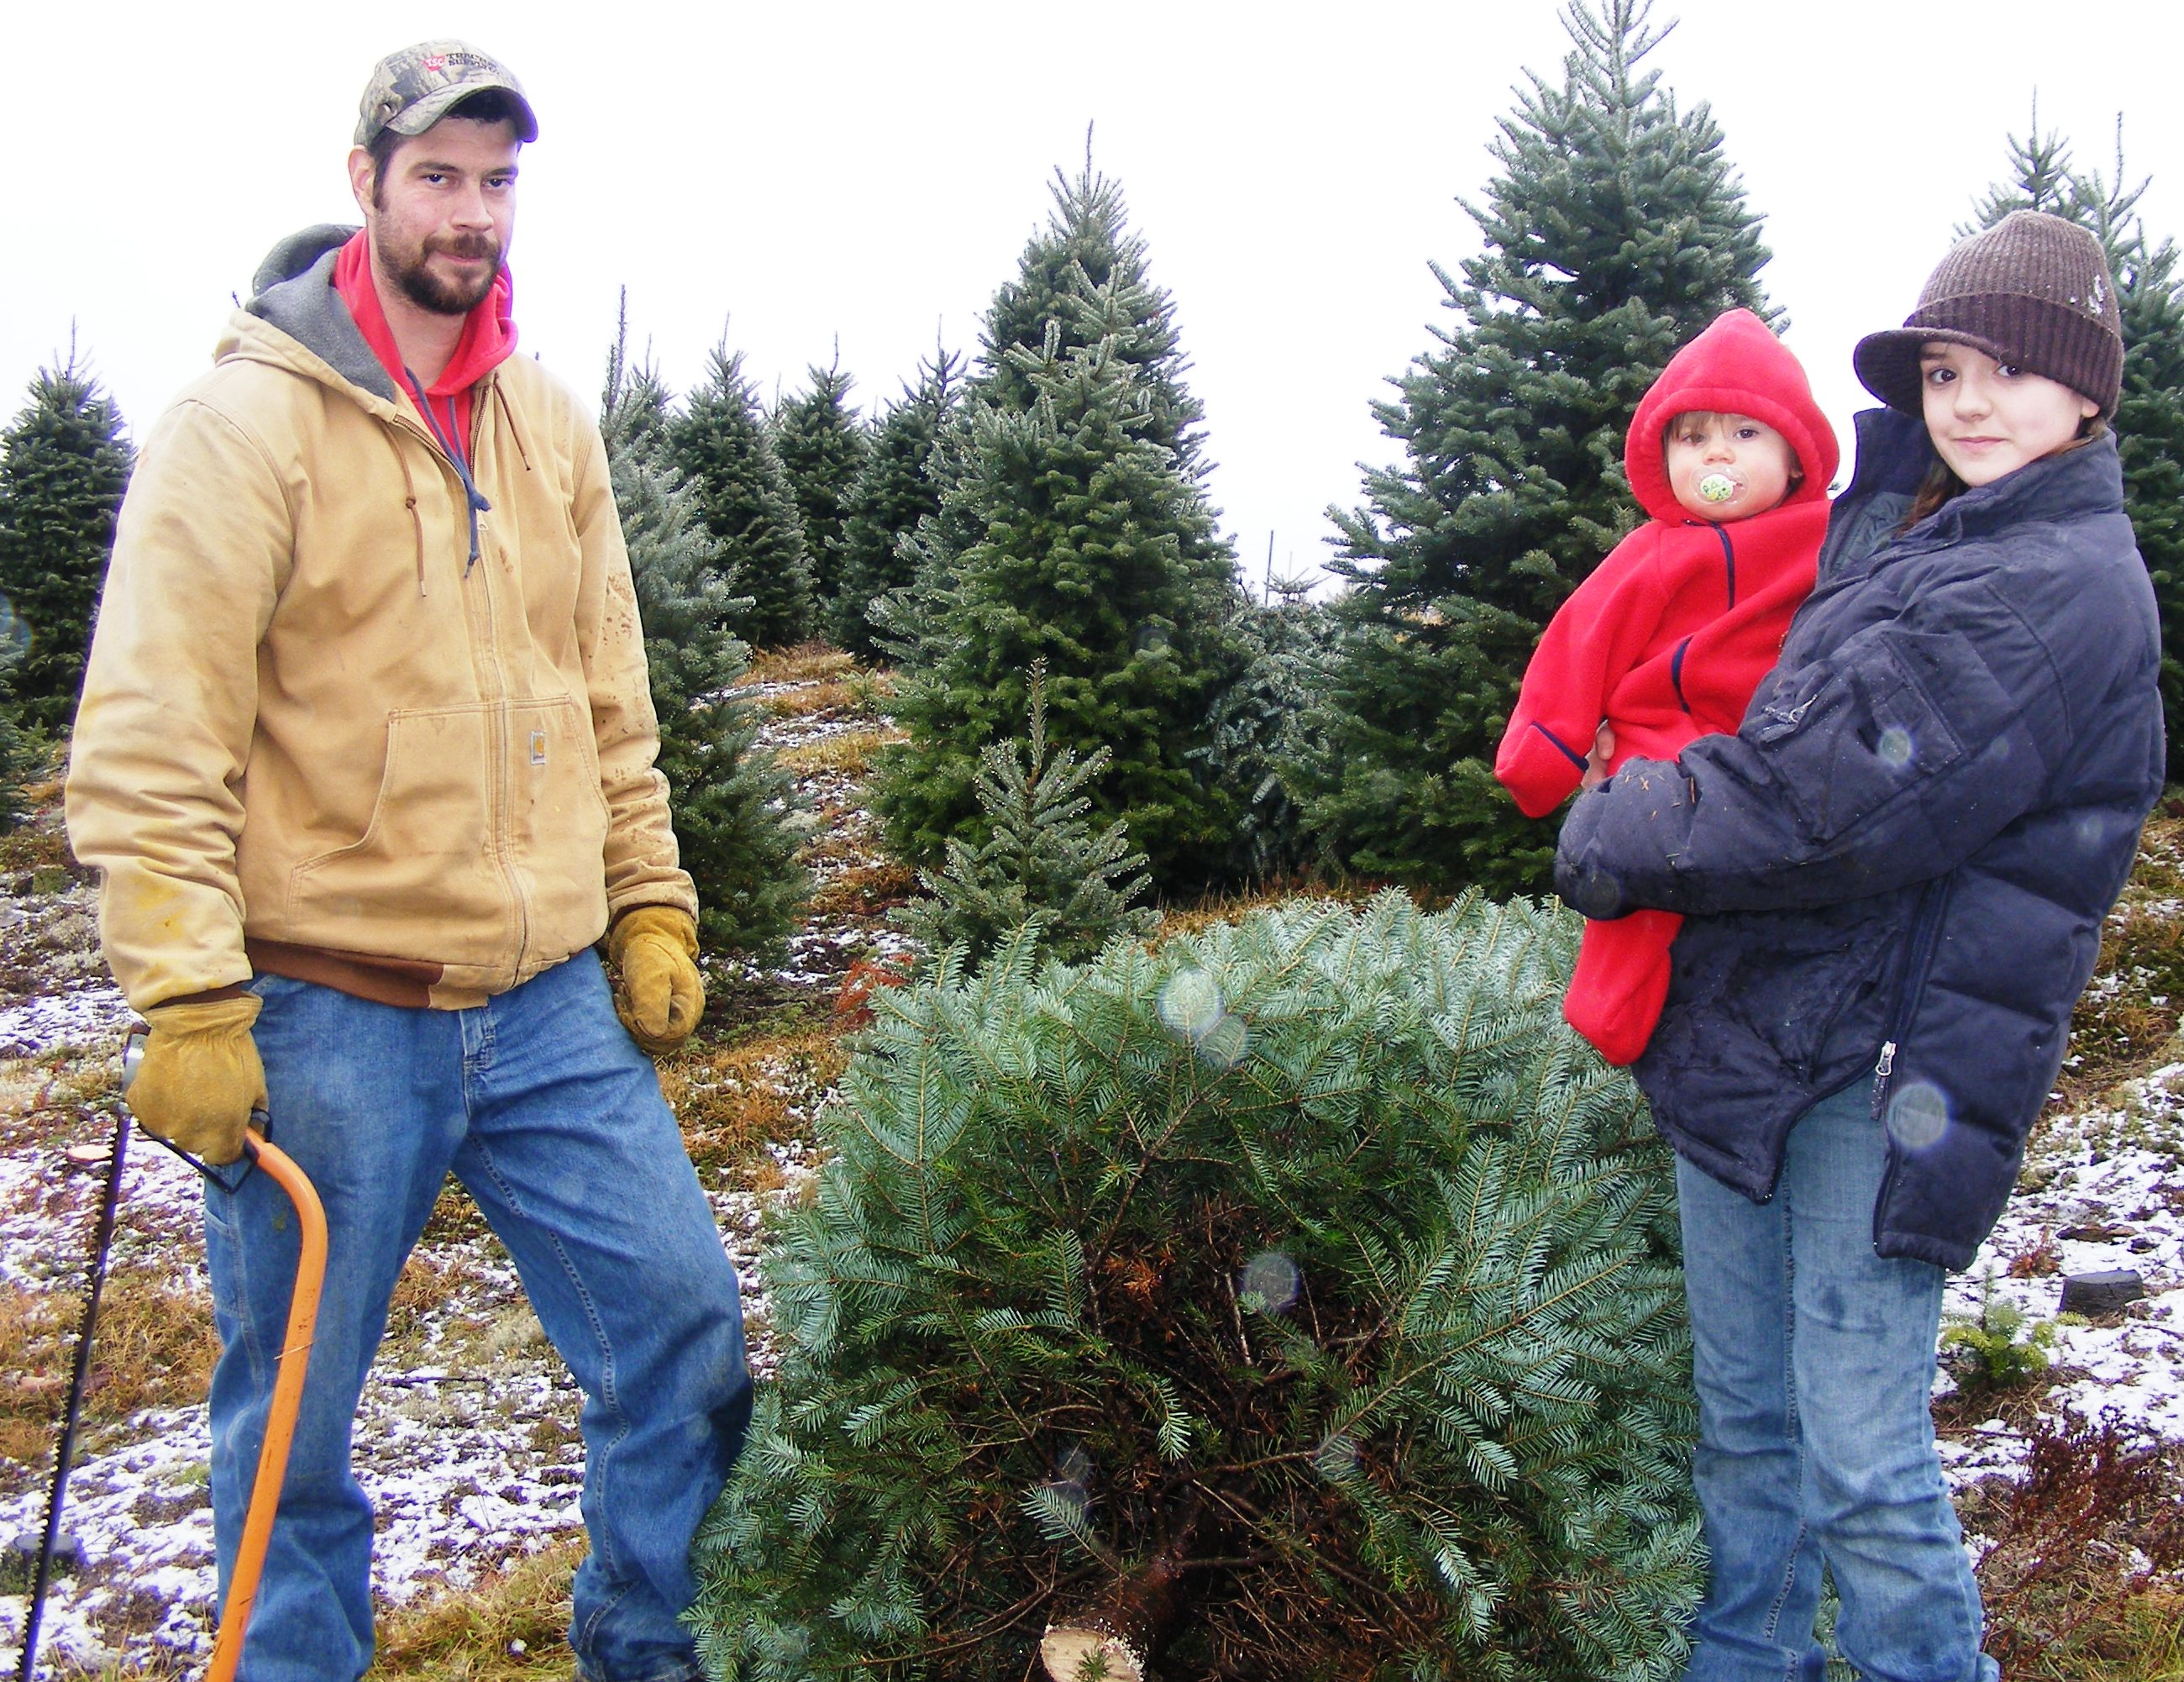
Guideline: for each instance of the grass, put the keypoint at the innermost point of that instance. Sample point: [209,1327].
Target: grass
[154,1348]
[850,754]
[737,1091]
[863,891]
[512,1624]
[2130,1017]
[804,663]
[733,1100]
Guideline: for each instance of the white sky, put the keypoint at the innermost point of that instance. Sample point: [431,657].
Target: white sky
[872,171]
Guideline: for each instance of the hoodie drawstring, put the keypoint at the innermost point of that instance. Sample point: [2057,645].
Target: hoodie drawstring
[476,503]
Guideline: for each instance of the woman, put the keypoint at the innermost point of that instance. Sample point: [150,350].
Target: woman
[1895,874]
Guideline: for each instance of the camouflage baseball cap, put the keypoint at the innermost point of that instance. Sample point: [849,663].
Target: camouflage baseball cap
[411,90]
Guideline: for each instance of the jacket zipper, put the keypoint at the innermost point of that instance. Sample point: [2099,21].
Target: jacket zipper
[1676,672]
[499,802]
[1918,961]
[1728,560]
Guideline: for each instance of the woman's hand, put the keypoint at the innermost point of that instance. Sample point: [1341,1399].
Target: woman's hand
[1603,751]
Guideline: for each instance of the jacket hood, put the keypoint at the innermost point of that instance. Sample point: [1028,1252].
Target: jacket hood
[1736,366]
[293,290]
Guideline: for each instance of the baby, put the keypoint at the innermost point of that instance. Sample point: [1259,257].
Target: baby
[1670,634]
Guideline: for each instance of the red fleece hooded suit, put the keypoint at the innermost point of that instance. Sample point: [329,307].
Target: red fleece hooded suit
[1668,637]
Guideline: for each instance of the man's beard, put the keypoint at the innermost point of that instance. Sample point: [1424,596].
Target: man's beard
[427,290]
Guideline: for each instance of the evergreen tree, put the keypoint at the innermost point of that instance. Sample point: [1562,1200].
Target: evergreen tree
[822,445]
[731,800]
[2149,418]
[898,487]
[64,465]
[1074,529]
[1312,1258]
[1098,557]
[1614,232]
[1041,869]
[720,446]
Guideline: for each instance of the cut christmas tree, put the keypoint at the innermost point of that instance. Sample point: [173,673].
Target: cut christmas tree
[1297,1301]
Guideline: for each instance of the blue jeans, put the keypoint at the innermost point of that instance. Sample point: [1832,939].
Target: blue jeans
[1814,1362]
[540,1105]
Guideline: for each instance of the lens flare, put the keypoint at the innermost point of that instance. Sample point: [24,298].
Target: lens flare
[1918,1115]
[1268,1283]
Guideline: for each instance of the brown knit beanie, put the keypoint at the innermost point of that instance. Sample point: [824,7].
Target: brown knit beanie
[2032,291]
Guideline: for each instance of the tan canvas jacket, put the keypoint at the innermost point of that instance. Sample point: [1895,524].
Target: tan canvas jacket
[310,718]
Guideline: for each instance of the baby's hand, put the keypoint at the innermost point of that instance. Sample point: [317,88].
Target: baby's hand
[1603,751]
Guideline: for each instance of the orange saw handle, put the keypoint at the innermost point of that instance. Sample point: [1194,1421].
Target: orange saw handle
[288,1398]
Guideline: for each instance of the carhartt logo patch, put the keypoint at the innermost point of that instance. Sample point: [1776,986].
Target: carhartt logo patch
[537,747]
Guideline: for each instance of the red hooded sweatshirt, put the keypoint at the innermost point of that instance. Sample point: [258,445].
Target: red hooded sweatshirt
[489,337]
[1670,634]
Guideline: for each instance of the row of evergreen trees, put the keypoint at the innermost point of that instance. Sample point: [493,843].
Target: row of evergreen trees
[1046,503]
[1051,507]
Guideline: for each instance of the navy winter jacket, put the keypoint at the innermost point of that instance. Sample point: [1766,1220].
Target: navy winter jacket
[1897,869]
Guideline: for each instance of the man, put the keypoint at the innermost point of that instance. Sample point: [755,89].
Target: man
[364,755]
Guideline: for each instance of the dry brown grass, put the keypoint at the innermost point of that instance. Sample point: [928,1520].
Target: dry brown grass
[472,1635]
[1216,909]
[733,1100]
[863,891]
[154,1347]
[827,695]
[432,1282]
[156,1343]
[804,663]
[849,754]
[37,1329]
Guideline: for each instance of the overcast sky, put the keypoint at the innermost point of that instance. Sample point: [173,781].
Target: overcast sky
[798,174]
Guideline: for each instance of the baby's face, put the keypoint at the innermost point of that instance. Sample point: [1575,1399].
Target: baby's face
[1725,467]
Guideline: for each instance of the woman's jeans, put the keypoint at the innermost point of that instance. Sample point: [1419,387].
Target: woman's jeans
[539,1103]
[1815,1360]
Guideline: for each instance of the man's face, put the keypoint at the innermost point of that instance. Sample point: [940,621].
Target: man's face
[442,212]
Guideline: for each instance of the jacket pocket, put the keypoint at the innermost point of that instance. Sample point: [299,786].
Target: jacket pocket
[1856,734]
[422,880]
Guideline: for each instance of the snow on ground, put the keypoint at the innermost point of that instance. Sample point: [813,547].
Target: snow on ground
[466,1439]
[2102,1190]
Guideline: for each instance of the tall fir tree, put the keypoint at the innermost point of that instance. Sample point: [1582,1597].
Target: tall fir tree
[720,445]
[731,801]
[1097,556]
[1615,230]
[64,465]
[2149,418]
[898,487]
[1074,528]
[822,444]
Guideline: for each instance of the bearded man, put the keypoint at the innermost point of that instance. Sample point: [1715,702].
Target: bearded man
[366,759]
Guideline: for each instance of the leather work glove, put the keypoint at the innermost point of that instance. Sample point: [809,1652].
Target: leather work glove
[200,1078]
[658,994]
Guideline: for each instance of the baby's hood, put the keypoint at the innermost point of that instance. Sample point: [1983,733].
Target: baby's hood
[1736,366]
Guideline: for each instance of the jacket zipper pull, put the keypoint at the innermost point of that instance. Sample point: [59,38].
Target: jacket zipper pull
[1887,1059]
[1880,1072]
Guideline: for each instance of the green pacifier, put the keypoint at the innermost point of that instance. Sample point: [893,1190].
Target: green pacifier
[1717,488]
